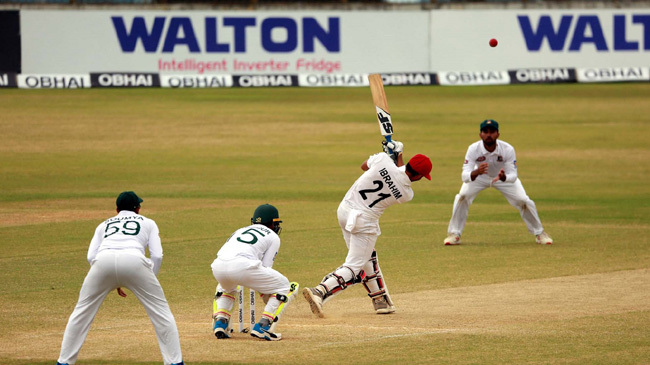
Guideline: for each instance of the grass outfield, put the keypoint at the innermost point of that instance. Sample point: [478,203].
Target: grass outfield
[204,159]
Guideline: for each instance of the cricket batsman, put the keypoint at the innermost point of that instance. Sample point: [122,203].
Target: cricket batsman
[384,182]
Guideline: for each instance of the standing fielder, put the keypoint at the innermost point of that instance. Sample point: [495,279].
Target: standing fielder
[385,182]
[117,259]
[492,163]
[246,259]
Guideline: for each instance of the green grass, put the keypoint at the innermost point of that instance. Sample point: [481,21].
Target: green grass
[204,159]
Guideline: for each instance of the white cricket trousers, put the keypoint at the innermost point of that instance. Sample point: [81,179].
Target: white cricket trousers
[121,268]
[360,232]
[250,274]
[514,193]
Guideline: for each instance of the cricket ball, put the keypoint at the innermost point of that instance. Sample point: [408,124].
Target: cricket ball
[493,42]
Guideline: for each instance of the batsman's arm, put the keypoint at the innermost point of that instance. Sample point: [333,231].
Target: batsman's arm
[399,161]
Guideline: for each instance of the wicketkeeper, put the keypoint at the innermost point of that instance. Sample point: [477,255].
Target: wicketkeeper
[246,259]
[385,182]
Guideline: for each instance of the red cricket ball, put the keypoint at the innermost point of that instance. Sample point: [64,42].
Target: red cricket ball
[493,42]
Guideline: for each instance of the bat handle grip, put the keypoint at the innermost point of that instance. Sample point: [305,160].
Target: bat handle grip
[389,138]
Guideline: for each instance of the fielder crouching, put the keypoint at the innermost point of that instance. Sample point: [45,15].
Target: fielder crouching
[246,259]
[116,255]
[385,182]
[492,163]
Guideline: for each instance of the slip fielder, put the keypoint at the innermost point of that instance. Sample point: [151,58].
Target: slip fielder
[117,259]
[492,163]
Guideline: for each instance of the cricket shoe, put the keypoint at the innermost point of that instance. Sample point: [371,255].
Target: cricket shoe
[264,333]
[544,239]
[315,299]
[220,328]
[382,306]
[452,239]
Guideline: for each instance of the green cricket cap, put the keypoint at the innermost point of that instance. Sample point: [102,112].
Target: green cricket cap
[489,123]
[266,214]
[128,200]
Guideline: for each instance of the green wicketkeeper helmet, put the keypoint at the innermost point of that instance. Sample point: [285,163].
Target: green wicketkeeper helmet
[267,215]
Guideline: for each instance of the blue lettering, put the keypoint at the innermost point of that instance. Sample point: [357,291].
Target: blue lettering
[128,41]
[587,29]
[620,41]
[211,42]
[546,30]
[239,25]
[173,38]
[291,29]
[580,37]
[645,21]
[180,32]
[330,40]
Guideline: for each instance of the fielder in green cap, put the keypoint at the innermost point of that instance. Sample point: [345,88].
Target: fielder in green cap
[489,123]
[128,200]
[246,260]
[117,260]
[491,163]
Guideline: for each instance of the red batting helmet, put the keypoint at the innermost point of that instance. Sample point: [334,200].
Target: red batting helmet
[422,165]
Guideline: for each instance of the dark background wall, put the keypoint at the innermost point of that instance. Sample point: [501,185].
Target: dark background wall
[10,41]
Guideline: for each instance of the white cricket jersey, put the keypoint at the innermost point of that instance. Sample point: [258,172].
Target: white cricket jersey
[128,231]
[255,242]
[381,186]
[503,157]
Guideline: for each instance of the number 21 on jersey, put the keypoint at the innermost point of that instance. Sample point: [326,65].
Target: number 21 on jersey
[379,197]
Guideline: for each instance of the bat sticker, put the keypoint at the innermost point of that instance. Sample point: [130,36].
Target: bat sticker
[385,123]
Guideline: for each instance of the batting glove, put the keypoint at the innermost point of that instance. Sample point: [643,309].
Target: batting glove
[396,146]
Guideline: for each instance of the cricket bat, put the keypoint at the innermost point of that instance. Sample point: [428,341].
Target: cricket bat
[381,107]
